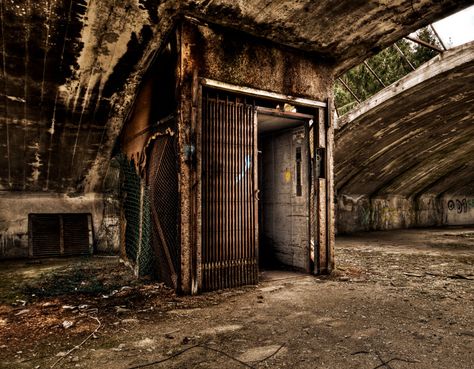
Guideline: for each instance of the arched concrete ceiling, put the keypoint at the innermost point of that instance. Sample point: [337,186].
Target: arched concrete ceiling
[414,137]
[71,68]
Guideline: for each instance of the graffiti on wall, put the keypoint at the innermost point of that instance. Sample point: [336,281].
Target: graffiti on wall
[460,205]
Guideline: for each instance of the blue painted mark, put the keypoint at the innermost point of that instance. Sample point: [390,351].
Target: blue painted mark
[248,163]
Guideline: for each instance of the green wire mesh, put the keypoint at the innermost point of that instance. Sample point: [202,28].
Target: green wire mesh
[136,208]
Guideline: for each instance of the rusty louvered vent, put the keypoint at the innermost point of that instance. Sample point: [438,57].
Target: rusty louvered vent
[163,182]
[229,217]
[53,235]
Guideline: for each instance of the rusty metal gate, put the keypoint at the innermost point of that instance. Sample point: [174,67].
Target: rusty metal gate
[163,182]
[229,192]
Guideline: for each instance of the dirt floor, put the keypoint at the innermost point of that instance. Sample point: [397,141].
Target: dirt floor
[397,300]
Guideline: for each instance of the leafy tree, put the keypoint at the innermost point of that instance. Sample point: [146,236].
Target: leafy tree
[389,66]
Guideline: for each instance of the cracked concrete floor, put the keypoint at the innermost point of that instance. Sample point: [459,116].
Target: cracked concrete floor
[397,300]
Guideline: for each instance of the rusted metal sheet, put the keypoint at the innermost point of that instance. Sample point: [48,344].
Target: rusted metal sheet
[229,211]
[53,235]
[76,234]
[44,235]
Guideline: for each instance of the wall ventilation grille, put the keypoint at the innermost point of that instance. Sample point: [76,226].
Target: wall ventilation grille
[53,235]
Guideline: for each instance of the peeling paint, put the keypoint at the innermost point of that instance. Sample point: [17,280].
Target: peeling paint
[16,98]
[36,165]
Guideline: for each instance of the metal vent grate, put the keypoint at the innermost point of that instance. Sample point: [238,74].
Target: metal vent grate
[76,234]
[53,235]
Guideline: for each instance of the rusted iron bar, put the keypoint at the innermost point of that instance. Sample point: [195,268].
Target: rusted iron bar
[404,56]
[424,43]
[148,129]
[261,93]
[348,89]
[438,37]
[373,73]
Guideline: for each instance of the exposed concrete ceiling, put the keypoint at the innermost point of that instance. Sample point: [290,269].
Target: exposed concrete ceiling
[71,68]
[414,137]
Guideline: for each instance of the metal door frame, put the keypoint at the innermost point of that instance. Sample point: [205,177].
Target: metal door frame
[307,122]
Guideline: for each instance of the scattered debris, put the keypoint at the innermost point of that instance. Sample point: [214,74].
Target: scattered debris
[67,324]
[121,309]
[78,346]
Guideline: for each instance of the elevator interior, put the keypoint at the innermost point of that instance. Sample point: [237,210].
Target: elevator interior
[284,189]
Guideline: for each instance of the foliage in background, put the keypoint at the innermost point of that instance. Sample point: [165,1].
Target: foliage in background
[389,66]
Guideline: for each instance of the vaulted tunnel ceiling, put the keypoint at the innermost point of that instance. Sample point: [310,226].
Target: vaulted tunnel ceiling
[71,68]
[415,137]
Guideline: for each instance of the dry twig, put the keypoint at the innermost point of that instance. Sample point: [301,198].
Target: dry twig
[269,356]
[385,363]
[78,346]
[207,348]
[188,349]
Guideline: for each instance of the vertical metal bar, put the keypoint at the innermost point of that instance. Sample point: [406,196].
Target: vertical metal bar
[208,218]
[255,191]
[233,176]
[207,189]
[210,189]
[199,220]
[250,191]
[250,194]
[223,195]
[215,227]
[203,174]
[308,193]
[244,193]
[238,151]
[219,217]
[215,273]
[231,192]
[220,169]
[227,192]
[245,197]
[239,189]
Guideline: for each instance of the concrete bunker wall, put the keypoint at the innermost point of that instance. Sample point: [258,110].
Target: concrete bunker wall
[16,207]
[238,59]
[360,213]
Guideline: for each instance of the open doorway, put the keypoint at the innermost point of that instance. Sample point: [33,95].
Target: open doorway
[284,189]
[262,188]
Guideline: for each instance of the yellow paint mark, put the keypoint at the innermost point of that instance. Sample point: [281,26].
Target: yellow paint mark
[287,175]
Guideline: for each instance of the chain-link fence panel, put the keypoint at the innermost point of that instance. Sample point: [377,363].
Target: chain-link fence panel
[136,208]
